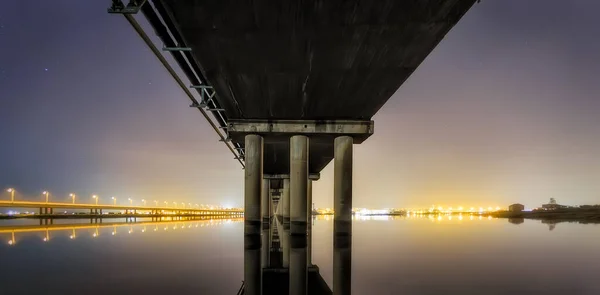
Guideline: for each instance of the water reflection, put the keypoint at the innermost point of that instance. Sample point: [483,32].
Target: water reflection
[277,262]
[74,228]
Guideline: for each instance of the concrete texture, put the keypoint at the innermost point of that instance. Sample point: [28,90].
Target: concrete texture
[342,186]
[253,180]
[308,60]
[298,184]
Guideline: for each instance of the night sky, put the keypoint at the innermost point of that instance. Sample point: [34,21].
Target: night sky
[504,110]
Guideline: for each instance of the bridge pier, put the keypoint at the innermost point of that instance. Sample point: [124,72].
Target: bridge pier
[285,204]
[342,186]
[298,183]
[253,181]
[265,201]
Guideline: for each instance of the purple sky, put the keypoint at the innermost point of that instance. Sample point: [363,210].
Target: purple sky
[504,110]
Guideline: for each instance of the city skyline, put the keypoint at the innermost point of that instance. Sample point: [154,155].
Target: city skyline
[502,111]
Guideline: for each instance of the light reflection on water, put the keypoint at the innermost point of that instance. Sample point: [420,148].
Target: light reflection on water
[391,255]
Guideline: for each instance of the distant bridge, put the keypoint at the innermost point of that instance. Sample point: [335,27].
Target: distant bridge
[47,209]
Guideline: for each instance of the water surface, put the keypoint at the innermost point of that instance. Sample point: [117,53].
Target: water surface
[414,255]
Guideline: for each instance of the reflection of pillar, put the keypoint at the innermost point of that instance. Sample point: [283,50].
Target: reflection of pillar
[342,265]
[285,204]
[265,200]
[342,186]
[252,269]
[253,184]
[298,269]
[266,247]
[284,237]
[298,184]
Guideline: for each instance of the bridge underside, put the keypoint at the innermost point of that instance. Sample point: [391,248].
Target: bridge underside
[308,60]
[295,84]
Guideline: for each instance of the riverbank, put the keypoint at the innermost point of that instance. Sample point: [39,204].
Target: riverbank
[559,215]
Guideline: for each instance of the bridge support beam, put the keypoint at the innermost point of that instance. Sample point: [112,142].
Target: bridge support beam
[253,181]
[342,186]
[266,200]
[298,184]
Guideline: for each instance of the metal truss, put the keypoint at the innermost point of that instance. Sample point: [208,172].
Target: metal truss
[156,15]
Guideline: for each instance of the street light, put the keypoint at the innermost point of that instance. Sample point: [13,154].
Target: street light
[183,204]
[73,197]
[166,204]
[12,194]
[144,201]
[114,201]
[96,198]
[130,201]
[47,194]
[175,204]
[156,203]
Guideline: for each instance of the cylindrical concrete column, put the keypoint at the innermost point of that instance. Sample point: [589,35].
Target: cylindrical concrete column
[253,180]
[298,184]
[309,224]
[285,204]
[266,200]
[342,265]
[309,203]
[298,269]
[342,186]
[252,269]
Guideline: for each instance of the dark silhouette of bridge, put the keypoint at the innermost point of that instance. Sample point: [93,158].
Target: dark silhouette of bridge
[290,86]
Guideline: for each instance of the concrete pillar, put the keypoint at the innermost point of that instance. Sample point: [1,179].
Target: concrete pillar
[342,264]
[252,263]
[265,200]
[51,210]
[298,269]
[298,184]
[41,211]
[309,203]
[309,224]
[342,186]
[285,204]
[253,180]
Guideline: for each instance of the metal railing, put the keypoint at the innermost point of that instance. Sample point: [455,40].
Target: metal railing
[155,13]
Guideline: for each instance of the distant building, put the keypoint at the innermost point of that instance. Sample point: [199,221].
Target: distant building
[553,206]
[516,208]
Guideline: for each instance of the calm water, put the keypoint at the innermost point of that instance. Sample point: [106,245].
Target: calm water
[389,256]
